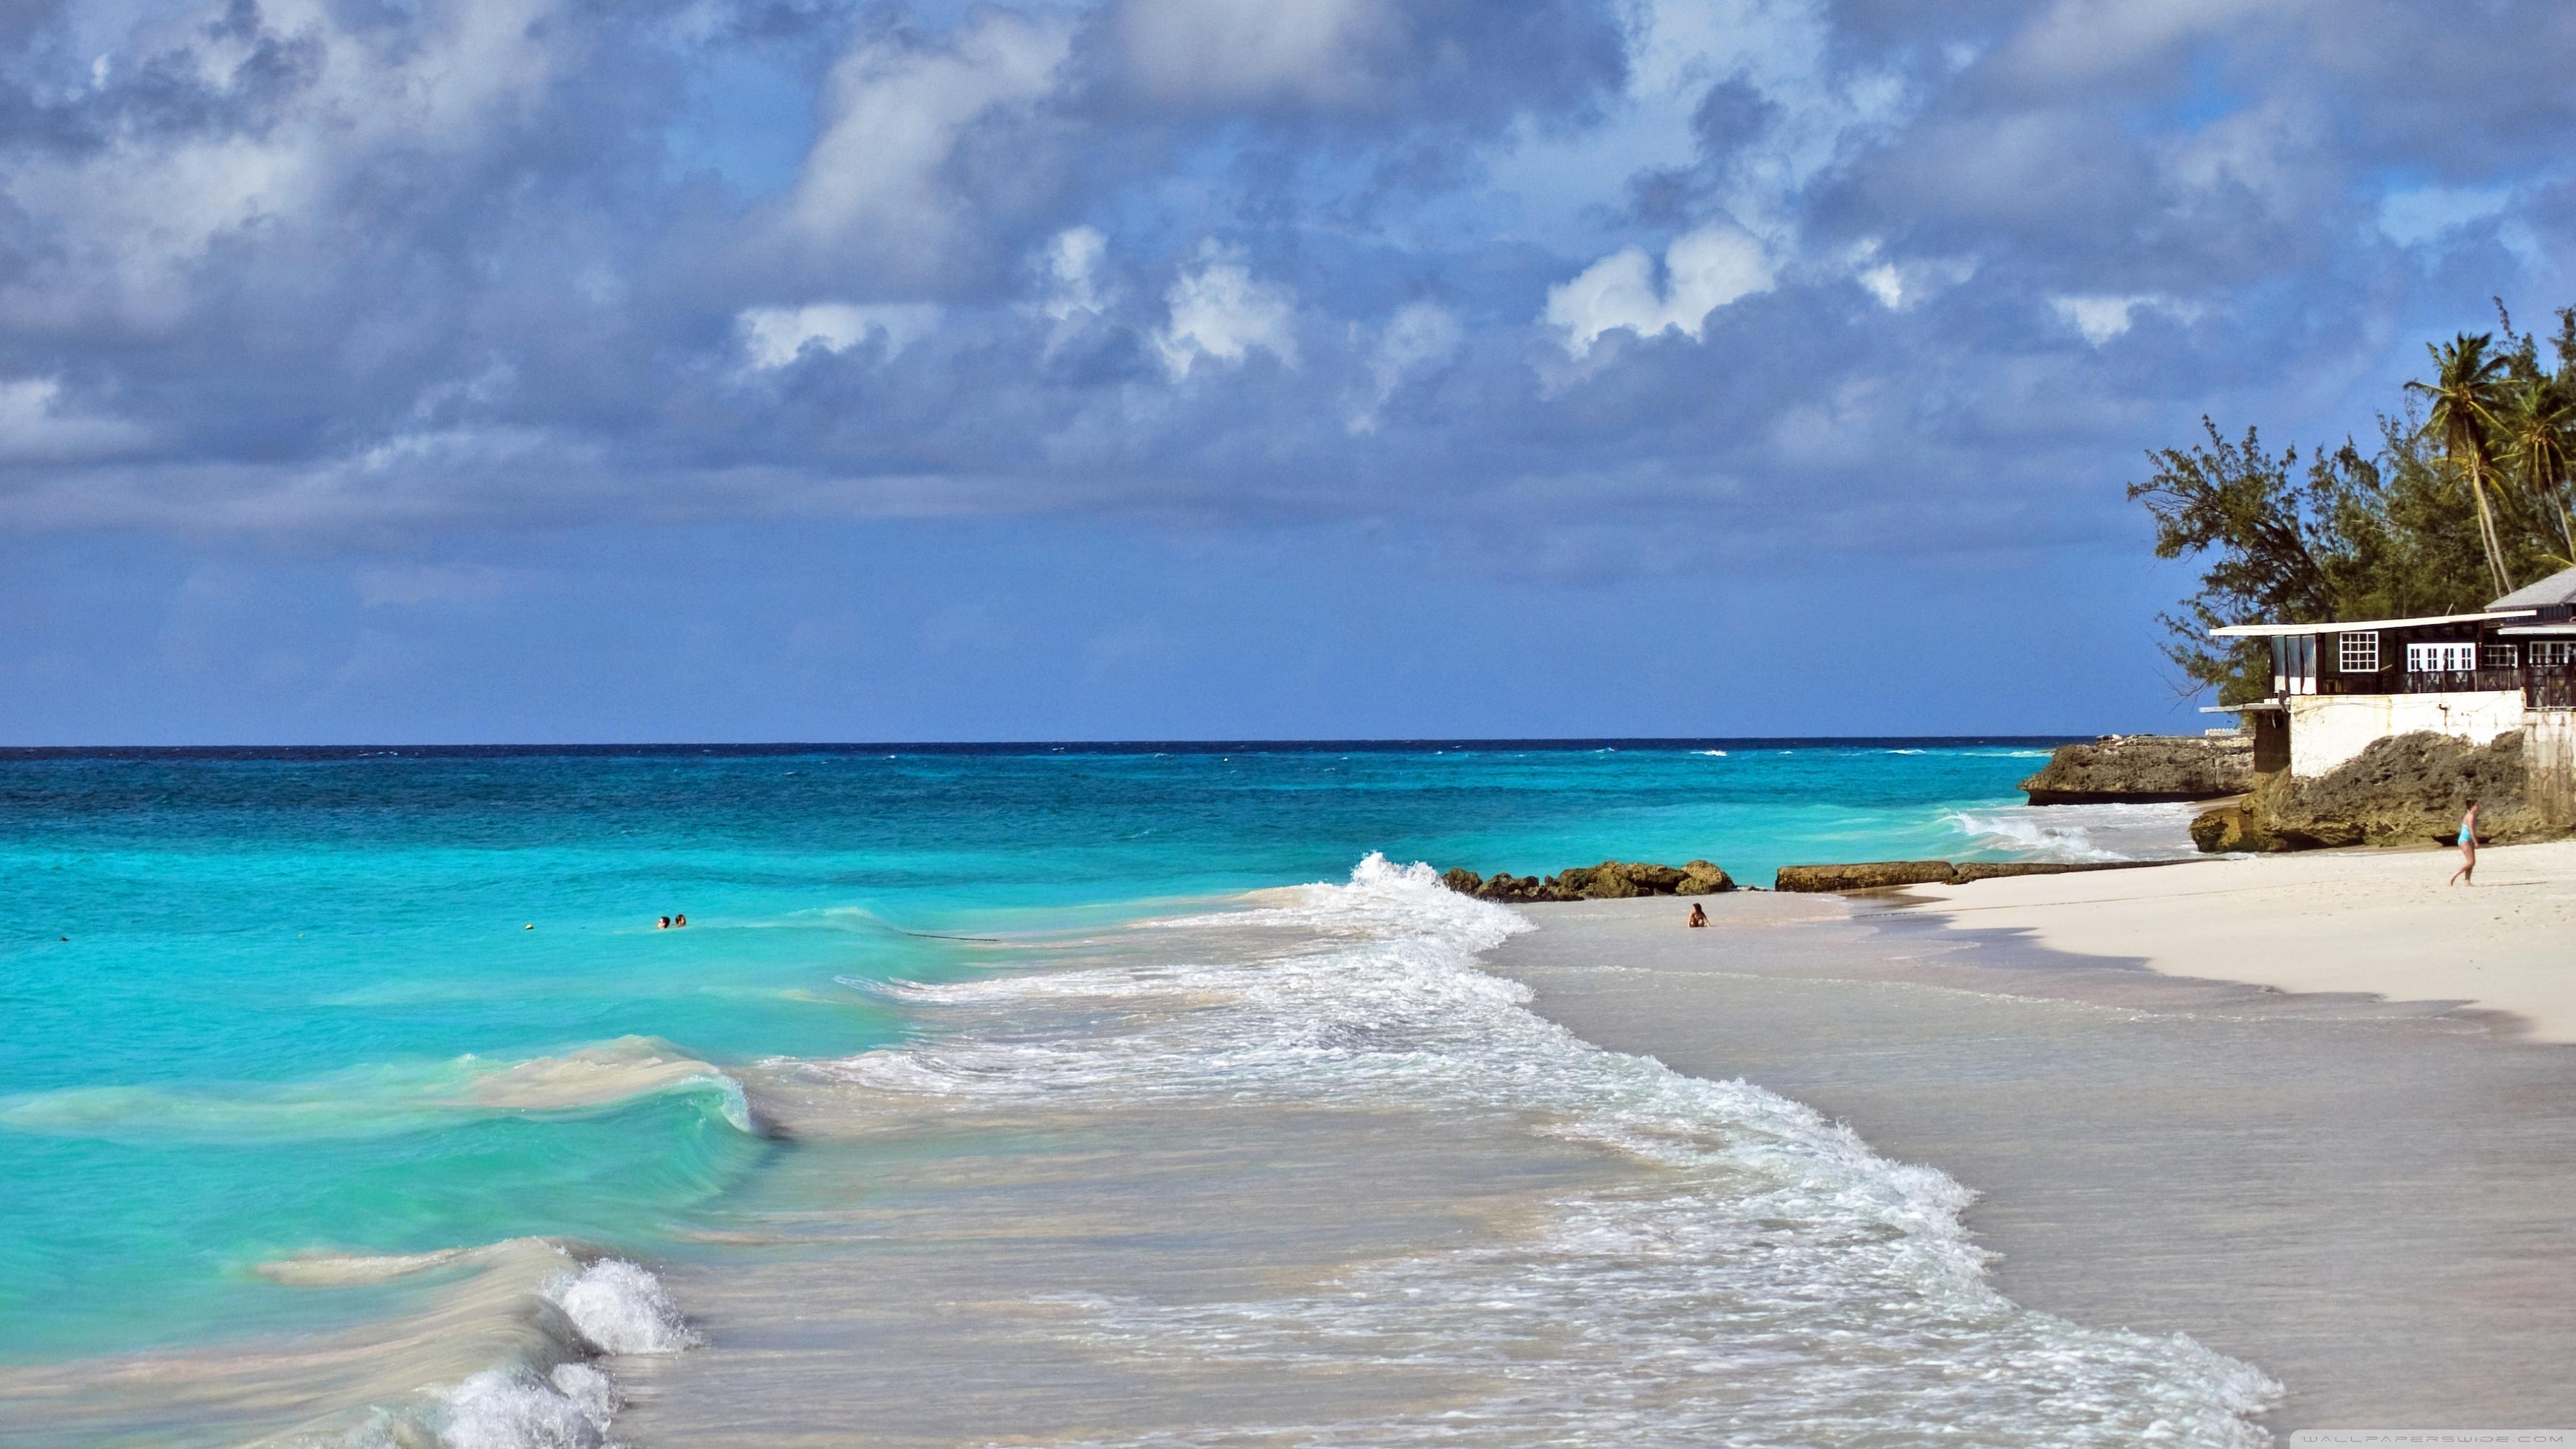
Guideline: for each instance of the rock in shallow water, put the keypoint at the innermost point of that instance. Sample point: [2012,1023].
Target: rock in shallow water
[1864,875]
[1611,880]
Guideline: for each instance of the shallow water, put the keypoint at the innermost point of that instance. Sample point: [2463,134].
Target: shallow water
[979,1071]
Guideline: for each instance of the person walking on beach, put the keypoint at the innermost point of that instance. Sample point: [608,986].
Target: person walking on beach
[2467,873]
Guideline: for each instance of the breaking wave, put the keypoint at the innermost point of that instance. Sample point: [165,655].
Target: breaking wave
[2081,834]
[502,1346]
[385,1099]
[1772,1277]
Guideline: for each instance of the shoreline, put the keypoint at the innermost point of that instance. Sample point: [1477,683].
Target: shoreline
[2363,1198]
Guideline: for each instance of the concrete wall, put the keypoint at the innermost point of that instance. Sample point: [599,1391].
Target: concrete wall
[2328,729]
[2549,755]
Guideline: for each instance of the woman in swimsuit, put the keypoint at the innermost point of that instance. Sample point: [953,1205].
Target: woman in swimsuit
[2467,873]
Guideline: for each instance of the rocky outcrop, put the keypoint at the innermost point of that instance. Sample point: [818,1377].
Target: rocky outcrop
[2138,769]
[2402,790]
[1996,869]
[1881,874]
[1611,880]
[1865,875]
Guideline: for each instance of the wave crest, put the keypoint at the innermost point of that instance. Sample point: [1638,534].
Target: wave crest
[384,1099]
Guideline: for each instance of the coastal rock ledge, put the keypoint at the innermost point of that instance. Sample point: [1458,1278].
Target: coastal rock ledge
[2403,790]
[1611,880]
[2145,769]
[1871,875]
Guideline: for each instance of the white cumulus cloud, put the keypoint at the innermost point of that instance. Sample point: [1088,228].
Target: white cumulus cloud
[1703,271]
[2103,316]
[878,177]
[1221,311]
[775,336]
[1073,262]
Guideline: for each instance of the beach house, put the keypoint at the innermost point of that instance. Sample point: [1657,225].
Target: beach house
[2337,687]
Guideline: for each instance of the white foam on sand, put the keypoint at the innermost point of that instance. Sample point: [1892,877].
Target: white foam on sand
[1776,1282]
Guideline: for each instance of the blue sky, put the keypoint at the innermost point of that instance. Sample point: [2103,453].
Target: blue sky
[422,370]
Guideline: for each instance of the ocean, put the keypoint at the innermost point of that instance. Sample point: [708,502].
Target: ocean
[1062,1094]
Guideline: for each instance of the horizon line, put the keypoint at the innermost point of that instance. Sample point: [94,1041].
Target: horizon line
[1208,745]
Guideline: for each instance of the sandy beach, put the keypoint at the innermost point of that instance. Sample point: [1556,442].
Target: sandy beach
[2310,1111]
[2381,922]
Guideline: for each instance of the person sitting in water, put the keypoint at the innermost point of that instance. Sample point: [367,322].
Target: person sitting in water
[2467,873]
[1698,916]
[662,923]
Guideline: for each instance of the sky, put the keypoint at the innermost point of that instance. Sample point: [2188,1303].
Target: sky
[421,371]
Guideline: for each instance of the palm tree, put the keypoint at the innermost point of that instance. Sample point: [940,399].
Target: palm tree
[2465,395]
[2538,424]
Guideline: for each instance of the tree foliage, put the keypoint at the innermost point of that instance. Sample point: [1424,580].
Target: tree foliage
[2463,494]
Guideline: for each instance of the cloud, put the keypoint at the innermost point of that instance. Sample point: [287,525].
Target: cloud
[1234,53]
[1416,340]
[776,336]
[2102,318]
[2420,214]
[1703,271]
[1440,66]
[892,189]
[239,122]
[329,269]
[1075,285]
[37,427]
[1223,313]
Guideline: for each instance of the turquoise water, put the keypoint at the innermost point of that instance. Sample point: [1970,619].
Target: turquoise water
[262,1006]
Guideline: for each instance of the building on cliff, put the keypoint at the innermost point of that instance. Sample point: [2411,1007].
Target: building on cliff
[2336,688]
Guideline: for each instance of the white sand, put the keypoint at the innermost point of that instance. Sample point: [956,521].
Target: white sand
[2380,922]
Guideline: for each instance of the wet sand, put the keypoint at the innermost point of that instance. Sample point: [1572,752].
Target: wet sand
[2372,1200]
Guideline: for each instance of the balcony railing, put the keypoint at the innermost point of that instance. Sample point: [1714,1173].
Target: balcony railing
[2460,681]
[2549,686]
[2438,681]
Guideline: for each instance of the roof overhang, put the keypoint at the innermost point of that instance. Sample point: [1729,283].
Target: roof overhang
[2358,626]
[2257,707]
[2562,631]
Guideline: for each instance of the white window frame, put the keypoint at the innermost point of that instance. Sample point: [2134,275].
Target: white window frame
[2559,652]
[2442,656]
[2358,653]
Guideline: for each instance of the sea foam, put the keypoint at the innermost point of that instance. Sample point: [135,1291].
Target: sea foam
[2081,834]
[1772,1276]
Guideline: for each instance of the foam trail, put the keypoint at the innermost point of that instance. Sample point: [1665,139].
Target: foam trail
[1767,1274]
